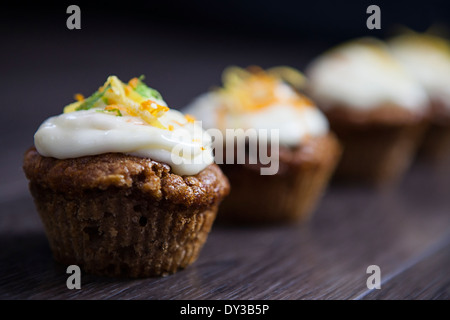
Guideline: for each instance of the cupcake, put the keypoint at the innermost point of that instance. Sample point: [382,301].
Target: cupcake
[113,195]
[376,109]
[258,102]
[427,59]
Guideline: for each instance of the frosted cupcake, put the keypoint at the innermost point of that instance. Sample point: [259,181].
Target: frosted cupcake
[258,102]
[376,109]
[427,58]
[113,197]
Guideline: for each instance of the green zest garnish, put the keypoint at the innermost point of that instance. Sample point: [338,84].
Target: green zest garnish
[145,91]
[112,110]
[90,102]
[134,99]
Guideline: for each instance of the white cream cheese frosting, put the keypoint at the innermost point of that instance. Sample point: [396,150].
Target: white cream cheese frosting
[427,58]
[362,74]
[294,124]
[177,141]
[295,121]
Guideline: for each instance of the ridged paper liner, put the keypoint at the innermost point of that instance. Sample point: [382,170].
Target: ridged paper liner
[436,145]
[285,197]
[378,155]
[119,233]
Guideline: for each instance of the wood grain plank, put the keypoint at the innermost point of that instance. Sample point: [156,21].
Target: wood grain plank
[427,279]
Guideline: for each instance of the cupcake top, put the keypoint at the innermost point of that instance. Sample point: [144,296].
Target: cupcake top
[363,75]
[427,58]
[129,118]
[261,99]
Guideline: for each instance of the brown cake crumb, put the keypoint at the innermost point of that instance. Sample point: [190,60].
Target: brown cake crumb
[152,178]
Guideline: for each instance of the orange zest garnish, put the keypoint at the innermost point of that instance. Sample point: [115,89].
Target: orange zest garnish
[253,88]
[170,127]
[178,123]
[122,98]
[133,82]
[189,118]
[79,97]
[128,89]
[115,106]
[154,108]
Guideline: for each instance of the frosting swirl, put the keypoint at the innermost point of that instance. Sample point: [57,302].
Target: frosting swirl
[427,58]
[259,99]
[363,75]
[145,129]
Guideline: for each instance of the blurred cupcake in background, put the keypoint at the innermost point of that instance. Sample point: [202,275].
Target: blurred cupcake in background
[264,100]
[427,59]
[376,109]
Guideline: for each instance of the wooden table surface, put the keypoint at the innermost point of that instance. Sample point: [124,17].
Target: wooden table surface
[405,230]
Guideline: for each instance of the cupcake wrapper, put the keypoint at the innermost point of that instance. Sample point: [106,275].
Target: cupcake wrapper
[436,145]
[121,233]
[378,155]
[286,197]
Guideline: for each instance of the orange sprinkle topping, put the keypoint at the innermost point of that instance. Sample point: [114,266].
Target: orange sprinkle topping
[175,121]
[79,97]
[170,127]
[152,106]
[133,82]
[189,118]
[115,106]
[254,89]
[128,89]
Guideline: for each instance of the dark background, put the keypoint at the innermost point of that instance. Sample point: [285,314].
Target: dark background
[181,46]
